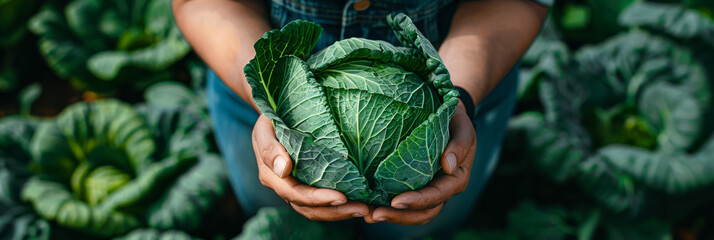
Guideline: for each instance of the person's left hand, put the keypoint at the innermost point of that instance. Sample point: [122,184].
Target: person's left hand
[419,207]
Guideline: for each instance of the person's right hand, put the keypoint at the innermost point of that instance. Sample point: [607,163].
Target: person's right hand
[274,167]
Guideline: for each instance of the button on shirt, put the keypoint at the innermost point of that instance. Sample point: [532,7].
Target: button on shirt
[360,5]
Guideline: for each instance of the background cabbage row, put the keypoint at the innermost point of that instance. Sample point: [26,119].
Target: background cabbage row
[143,167]
[102,169]
[100,48]
[612,138]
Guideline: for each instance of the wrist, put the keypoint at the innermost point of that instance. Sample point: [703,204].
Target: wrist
[467,101]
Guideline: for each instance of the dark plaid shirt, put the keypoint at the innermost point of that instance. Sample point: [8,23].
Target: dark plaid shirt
[342,19]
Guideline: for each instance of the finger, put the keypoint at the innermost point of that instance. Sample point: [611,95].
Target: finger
[463,138]
[403,217]
[437,192]
[300,194]
[269,150]
[333,213]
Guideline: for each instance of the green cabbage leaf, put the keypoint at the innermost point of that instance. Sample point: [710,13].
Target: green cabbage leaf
[364,117]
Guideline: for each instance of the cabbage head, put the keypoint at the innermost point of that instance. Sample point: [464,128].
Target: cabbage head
[102,45]
[106,168]
[361,116]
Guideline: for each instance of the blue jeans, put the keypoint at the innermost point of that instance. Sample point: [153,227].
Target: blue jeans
[233,121]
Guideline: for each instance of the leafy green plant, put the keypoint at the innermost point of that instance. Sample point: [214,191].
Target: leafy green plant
[281,223]
[618,131]
[153,234]
[634,128]
[106,168]
[100,45]
[673,19]
[18,53]
[13,19]
[529,220]
[361,116]
[174,94]
[15,135]
[626,119]
[588,21]
[17,221]
[20,222]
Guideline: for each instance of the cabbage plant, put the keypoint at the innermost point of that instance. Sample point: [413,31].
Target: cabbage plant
[106,168]
[99,45]
[17,220]
[361,116]
[627,119]
[283,223]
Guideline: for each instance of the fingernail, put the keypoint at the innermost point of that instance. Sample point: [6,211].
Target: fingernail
[358,214]
[451,161]
[381,219]
[399,206]
[338,202]
[279,166]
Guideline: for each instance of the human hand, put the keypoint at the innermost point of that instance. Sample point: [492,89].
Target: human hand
[419,207]
[274,167]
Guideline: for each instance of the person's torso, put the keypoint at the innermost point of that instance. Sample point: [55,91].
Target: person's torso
[341,19]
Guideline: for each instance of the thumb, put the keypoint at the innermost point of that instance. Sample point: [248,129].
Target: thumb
[269,150]
[463,138]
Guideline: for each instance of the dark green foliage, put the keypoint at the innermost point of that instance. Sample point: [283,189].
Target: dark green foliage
[18,52]
[676,20]
[13,19]
[588,21]
[106,169]
[190,197]
[15,135]
[280,223]
[17,221]
[100,45]
[153,234]
[619,131]
[592,21]
[361,116]
[626,117]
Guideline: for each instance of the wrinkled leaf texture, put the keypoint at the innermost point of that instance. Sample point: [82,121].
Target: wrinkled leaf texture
[343,129]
